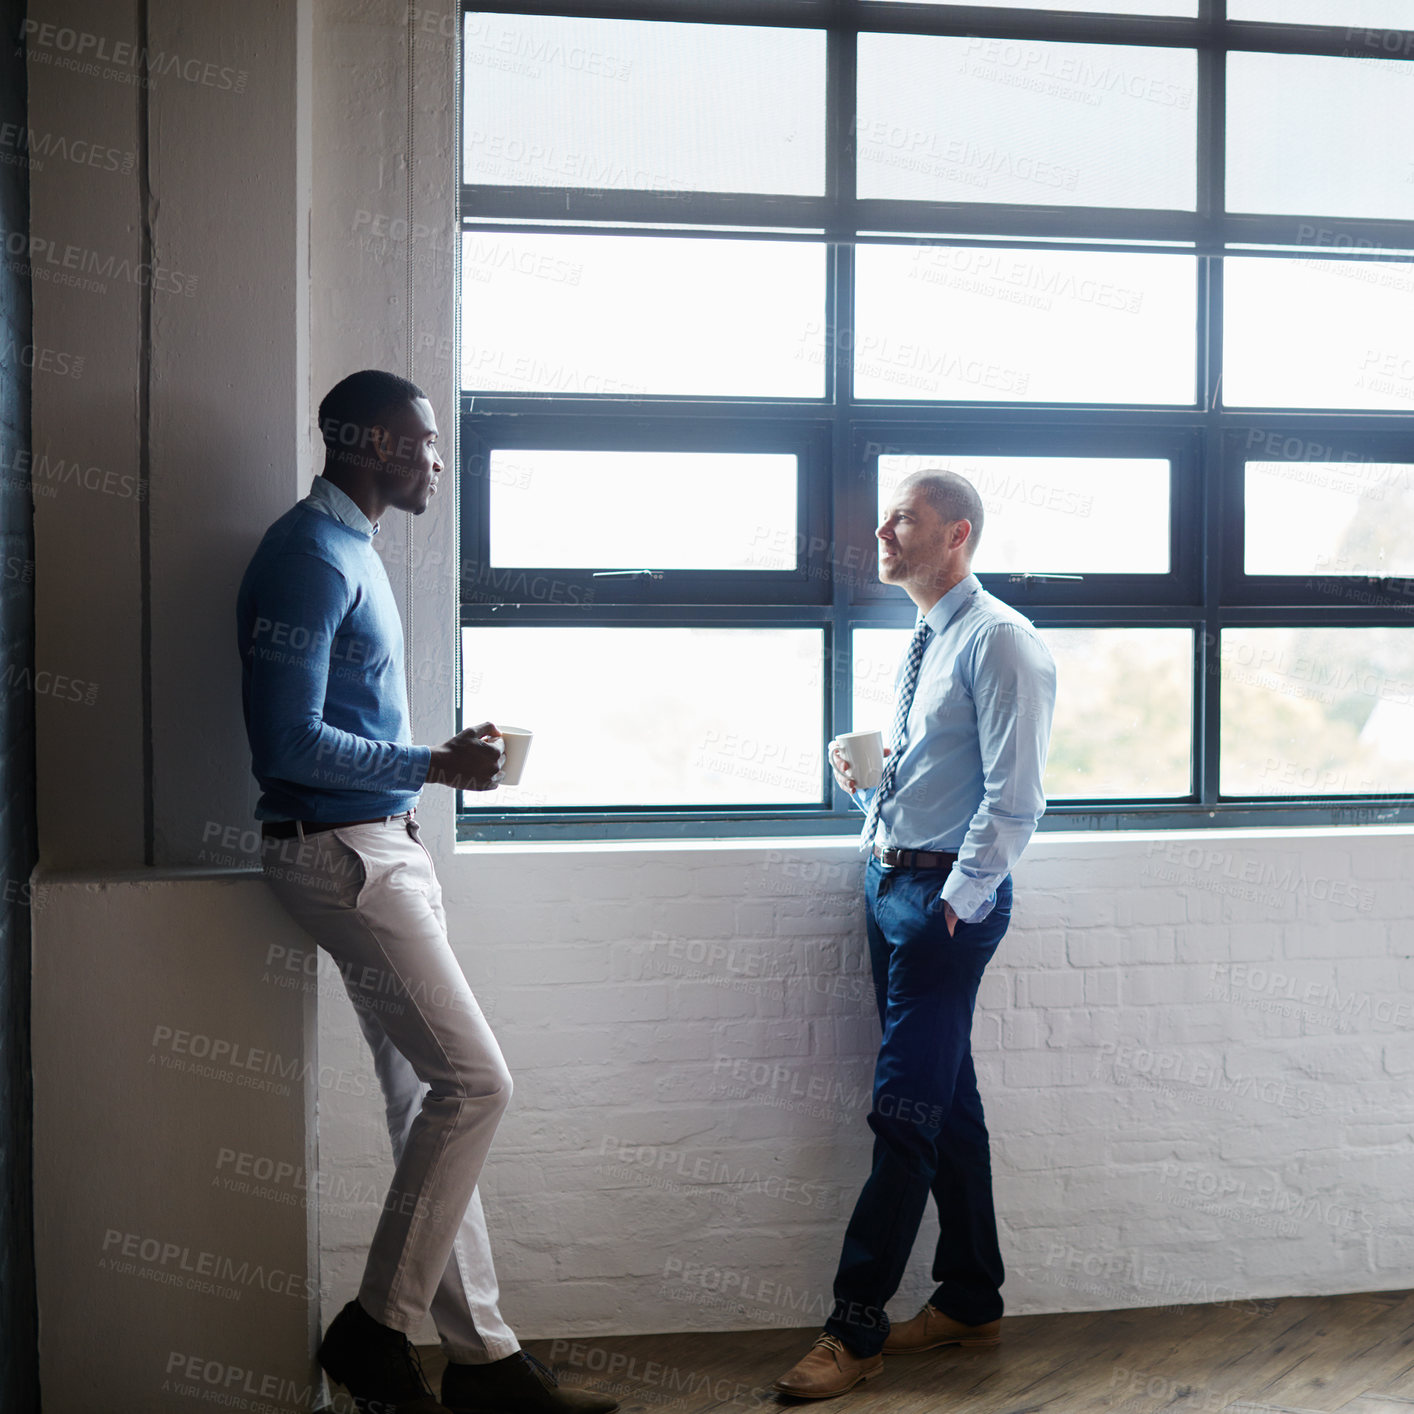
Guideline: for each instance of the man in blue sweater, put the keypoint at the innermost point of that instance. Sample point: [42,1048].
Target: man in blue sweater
[326,713]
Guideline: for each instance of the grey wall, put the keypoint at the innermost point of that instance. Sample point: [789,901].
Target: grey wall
[18,850]
[176,267]
[169,268]
[174,1140]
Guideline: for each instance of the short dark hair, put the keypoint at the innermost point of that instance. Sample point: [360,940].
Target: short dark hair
[954,497]
[359,402]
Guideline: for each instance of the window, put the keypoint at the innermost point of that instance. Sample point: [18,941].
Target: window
[730,270]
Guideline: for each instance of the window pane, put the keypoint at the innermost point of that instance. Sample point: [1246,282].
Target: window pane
[1187,8]
[1062,515]
[1318,333]
[974,119]
[968,324]
[638,315]
[1124,713]
[1314,135]
[1317,711]
[1329,518]
[1124,707]
[874,667]
[643,510]
[652,716]
[1394,13]
[641,106]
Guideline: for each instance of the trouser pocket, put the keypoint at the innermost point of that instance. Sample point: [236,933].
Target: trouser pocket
[319,872]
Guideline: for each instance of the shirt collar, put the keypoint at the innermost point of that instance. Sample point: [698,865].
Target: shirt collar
[941,614]
[328,498]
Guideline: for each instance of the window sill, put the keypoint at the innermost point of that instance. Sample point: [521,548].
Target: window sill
[843,845]
[830,830]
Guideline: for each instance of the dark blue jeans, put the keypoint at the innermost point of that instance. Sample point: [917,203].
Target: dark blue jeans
[929,1131]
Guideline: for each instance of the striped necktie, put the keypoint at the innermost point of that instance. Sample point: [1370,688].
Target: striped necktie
[905,701]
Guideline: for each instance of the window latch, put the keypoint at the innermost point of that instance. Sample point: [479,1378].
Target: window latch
[1029,578]
[627,574]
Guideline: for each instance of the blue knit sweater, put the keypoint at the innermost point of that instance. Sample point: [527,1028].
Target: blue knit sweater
[322,675]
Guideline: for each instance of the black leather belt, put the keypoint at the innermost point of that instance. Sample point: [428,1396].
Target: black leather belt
[913,859]
[286,829]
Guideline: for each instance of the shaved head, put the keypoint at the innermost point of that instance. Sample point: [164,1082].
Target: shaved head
[954,497]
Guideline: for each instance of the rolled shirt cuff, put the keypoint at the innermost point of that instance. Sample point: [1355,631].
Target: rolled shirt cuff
[971,899]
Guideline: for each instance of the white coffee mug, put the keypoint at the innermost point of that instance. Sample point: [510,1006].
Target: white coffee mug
[516,743]
[865,753]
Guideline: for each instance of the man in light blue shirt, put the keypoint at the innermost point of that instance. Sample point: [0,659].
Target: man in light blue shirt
[959,798]
[977,731]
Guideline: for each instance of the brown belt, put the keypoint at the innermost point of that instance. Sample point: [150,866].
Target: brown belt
[286,829]
[913,859]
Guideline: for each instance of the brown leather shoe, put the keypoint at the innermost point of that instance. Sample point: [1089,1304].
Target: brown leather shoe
[930,1328]
[829,1369]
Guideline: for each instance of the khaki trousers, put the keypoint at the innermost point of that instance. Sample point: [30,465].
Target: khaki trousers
[369,896]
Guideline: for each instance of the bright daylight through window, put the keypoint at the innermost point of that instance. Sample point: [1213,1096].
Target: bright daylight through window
[1127,267]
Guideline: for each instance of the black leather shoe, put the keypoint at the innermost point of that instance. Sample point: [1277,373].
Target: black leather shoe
[376,1364]
[519,1384]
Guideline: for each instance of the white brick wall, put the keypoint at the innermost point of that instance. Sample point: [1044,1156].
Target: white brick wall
[1195,1051]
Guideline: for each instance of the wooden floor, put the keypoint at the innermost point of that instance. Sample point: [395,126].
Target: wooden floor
[1353,1354]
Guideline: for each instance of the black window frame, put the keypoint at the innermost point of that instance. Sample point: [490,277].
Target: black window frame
[839,437]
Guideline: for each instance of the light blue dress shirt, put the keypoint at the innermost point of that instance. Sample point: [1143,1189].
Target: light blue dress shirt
[326,497]
[968,779]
